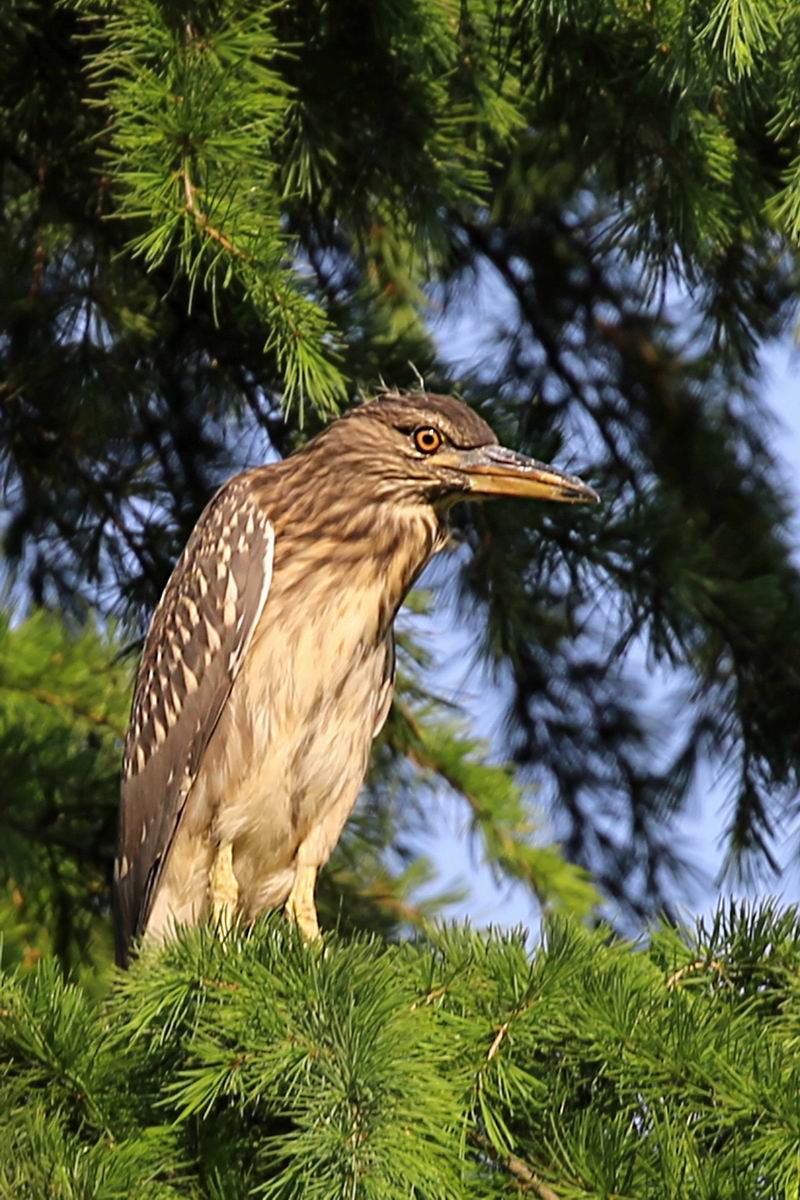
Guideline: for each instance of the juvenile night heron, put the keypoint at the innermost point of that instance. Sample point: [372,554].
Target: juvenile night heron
[268,667]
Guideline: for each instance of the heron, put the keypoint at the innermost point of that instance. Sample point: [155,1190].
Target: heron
[268,667]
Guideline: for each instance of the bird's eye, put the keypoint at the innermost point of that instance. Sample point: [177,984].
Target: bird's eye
[427,439]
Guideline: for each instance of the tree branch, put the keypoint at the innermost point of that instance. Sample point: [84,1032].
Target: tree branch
[525,1176]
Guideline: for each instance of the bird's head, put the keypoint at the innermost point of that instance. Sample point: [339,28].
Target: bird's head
[419,446]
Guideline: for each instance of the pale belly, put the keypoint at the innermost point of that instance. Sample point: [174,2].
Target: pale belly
[282,771]
[303,776]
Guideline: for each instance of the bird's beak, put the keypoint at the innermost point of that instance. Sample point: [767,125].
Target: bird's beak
[495,471]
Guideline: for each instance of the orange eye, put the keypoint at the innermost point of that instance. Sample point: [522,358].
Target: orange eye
[427,439]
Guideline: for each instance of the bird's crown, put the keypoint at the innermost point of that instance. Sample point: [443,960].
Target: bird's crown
[407,411]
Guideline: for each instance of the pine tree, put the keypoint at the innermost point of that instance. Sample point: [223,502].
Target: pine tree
[221,221]
[459,1066]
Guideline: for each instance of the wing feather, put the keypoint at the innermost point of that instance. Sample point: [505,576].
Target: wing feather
[386,693]
[195,646]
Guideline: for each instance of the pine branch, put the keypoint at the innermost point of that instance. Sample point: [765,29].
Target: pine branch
[255,1064]
[43,696]
[519,1170]
[201,219]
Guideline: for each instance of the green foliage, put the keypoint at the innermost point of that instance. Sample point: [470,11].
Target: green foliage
[219,218]
[459,1066]
[63,712]
[743,31]
[196,109]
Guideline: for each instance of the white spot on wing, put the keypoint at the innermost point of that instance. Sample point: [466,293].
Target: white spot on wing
[231,596]
[189,679]
[269,556]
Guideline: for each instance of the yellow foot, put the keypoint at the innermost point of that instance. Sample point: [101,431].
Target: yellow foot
[300,906]
[224,889]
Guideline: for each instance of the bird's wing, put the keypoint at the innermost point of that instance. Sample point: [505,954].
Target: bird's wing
[195,646]
[386,693]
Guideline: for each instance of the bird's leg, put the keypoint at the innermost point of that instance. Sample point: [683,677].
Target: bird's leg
[223,888]
[300,906]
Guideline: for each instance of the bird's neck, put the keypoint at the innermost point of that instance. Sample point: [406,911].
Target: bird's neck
[373,556]
[402,543]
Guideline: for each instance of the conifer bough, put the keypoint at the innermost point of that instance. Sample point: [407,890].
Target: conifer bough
[462,1067]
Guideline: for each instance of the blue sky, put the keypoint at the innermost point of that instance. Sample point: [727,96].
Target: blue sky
[464,337]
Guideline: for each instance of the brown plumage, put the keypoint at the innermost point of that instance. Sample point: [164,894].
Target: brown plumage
[268,666]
